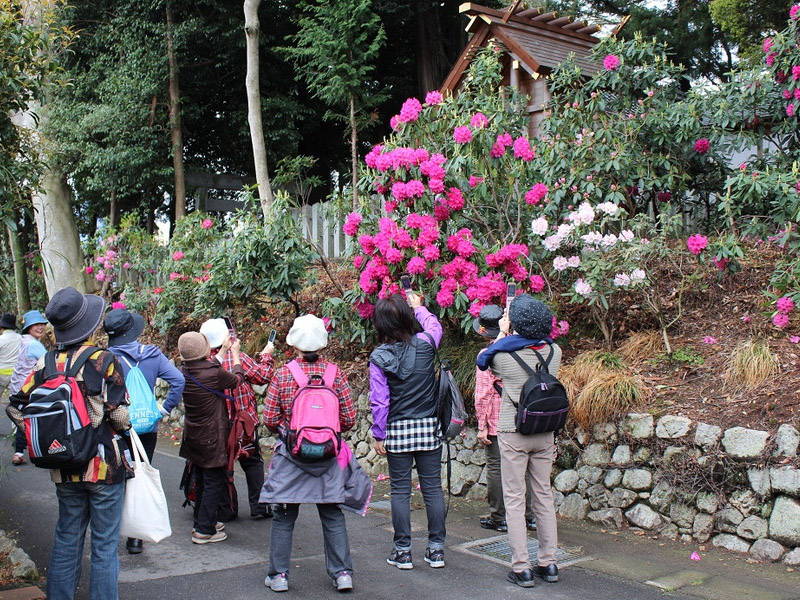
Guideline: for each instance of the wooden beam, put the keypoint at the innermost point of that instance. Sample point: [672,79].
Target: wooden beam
[526,59]
[590,29]
[622,24]
[546,16]
[477,9]
[511,9]
[576,26]
[560,21]
[477,40]
[529,13]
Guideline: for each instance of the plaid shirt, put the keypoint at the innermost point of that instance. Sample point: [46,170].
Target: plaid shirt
[487,400]
[280,395]
[258,373]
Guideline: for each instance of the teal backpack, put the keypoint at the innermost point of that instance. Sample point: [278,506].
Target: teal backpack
[143,409]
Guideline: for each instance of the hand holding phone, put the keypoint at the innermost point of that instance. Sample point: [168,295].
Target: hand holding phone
[229,325]
[270,347]
[511,293]
[405,281]
[272,335]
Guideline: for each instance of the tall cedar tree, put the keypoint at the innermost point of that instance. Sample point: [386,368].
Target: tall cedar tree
[335,50]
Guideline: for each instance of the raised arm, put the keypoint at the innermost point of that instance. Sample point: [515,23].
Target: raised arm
[430,324]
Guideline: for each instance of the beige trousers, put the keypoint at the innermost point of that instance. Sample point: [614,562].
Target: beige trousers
[533,454]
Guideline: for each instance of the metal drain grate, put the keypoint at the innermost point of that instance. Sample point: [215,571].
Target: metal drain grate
[497,550]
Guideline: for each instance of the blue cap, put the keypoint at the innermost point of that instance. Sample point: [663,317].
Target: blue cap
[32,317]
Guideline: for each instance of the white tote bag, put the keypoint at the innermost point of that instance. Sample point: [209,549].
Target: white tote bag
[145,515]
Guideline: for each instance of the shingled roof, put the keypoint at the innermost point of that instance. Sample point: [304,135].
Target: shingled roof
[538,40]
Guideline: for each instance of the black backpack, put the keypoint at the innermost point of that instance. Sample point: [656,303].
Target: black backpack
[450,407]
[543,403]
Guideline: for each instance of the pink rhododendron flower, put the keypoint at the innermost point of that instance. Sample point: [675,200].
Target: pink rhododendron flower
[416,266]
[536,194]
[611,62]
[207,223]
[89,270]
[785,305]
[790,109]
[433,98]
[787,94]
[445,298]
[794,12]
[158,290]
[395,122]
[474,181]
[497,151]
[177,255]
[522,149]
[563,327]
[771,60]
[358,261]
[702,145]
[709,340]
[455,199]
[350,227]
[393,256]
[431,253]
[794,339]
[780,320]
[410,110]
[462,135]
[721,264]
[479,121]
[126,265]
[767,45]
[367,243]
[115,305]
[537,283]
[365,309]
[174,275]
[696,243]
[441,212]
[100,276]
[436,185]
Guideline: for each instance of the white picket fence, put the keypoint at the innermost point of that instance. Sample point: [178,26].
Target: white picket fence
[321,226]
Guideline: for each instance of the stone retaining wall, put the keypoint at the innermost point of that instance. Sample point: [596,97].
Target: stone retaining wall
[737,489]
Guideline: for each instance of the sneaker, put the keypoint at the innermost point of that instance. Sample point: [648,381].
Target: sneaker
[134,546]
[435,558]
[344,582]
[18,459]
[489,523]
[278,582]
[209,538]
[220,526]
[400,559]
[548,573]
[530,524]
[262,511]
[524,579]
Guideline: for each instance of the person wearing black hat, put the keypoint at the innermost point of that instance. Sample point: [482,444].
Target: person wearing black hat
[92,495]
[123,329]
[488,388]
[531,321]
[9,349]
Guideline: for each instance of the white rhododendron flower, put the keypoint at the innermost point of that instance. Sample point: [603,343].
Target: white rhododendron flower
[592,239]
[609,240]
[608,208]
[626,235]
[583,288]
[539,226]
[560,263]
[574,262]
[552,242]
[638,275]
[622,280]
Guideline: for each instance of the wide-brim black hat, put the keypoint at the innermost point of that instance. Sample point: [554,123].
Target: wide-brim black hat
[8,321]
[123,326]
[74,316]
[488,322]
[530,317]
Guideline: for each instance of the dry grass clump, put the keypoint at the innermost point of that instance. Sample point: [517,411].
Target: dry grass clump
[751,364]
[642,346]
[609,393]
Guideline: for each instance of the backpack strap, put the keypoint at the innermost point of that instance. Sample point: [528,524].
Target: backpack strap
[297,372]
[523,364]
[50,366]
[77,359]
[126,361]
[542,361]
[197,382]
[331,371]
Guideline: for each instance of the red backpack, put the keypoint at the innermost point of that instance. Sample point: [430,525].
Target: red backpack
[58,427]
[315,432]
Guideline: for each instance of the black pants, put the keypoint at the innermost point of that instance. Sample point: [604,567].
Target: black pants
[20,443]
[210,489]
[254,473]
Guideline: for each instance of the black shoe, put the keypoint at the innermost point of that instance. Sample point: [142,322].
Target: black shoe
[530,524]
[548,573]
[524,579]
[134,546]
[489,523]
[401,559]
[262,511]
[435,558]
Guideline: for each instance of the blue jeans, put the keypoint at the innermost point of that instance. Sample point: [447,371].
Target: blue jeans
[78,505]
[334,534]
[429,470]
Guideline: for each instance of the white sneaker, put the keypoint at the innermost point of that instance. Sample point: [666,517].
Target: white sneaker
[206,538]
[278,582]
[344,582]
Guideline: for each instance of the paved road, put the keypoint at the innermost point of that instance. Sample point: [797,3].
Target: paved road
[235,569]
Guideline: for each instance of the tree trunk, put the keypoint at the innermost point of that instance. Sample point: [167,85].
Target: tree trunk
[20,271]
[60,246]
[251,30]
[175,120]
[113,211]
[432,63]
[354,149]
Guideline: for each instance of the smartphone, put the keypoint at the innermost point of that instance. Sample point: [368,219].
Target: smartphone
[229,325]
[405,281]
[511,293]
[272,335]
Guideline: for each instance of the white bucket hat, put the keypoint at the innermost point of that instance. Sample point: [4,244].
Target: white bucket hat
[216,331]
[308,334]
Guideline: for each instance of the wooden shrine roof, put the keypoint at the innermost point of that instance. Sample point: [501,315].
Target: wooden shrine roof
[539,40]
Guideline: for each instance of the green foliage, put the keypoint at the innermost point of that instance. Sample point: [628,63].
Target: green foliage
[684,356]
[746,22]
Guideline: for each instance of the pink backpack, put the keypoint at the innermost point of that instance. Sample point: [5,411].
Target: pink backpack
[314,429]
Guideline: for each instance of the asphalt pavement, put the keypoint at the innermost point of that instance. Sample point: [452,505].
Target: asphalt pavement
[602,566]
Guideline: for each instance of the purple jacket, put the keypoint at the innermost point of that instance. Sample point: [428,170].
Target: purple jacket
[379,396]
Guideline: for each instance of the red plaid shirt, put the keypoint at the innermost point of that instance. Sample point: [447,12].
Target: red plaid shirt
[258,373]
[487,400]
[280,395]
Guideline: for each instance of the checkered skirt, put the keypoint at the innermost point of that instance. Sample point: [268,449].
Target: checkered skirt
[413,435]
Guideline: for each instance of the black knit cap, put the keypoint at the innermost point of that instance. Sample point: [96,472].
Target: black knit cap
[530,317]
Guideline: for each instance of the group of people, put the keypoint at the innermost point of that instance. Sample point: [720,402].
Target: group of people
[214,382]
